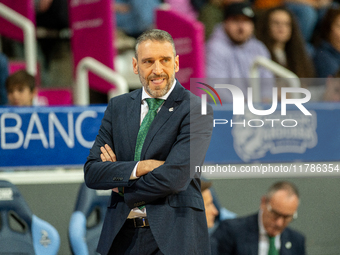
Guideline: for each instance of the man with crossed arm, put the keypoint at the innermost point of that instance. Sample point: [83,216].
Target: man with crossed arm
[157,135]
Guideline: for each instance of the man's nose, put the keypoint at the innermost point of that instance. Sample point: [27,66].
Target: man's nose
[157,68]
[280,222]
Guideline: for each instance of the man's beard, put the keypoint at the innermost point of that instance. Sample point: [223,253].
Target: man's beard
[236,39]
[157,93]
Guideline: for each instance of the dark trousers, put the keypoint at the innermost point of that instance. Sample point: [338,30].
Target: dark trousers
[134,241]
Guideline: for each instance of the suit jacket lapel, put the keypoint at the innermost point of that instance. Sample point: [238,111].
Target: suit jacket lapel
[285,244]
[163,115]
[133,118]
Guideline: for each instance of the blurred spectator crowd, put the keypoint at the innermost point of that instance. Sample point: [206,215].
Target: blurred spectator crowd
[300,35]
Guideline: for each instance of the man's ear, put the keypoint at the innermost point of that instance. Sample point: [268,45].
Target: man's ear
[176,63]
[135,65]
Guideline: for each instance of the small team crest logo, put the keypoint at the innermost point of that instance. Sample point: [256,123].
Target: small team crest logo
[252,143]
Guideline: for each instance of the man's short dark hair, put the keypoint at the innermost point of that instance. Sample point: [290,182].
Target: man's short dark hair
[155,35]
[21,78]
[205,185]
[282,185]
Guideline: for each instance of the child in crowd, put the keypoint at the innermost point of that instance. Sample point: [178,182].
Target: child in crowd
[20,88]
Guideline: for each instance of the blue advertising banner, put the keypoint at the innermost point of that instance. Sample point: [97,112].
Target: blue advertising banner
[292,137]
[33,137]
[47,136]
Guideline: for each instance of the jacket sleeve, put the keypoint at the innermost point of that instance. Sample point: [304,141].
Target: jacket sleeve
[106,175]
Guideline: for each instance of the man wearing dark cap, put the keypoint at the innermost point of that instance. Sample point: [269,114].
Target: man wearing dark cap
[232,49]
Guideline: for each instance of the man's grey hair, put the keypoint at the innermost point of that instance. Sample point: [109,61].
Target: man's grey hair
[155,35]
[283,185]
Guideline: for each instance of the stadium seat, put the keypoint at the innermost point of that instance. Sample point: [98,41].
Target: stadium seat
[22,232]
[87,220]
[55,96]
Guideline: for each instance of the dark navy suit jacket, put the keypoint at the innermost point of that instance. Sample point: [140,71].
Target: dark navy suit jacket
[240,236]
[180,135]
